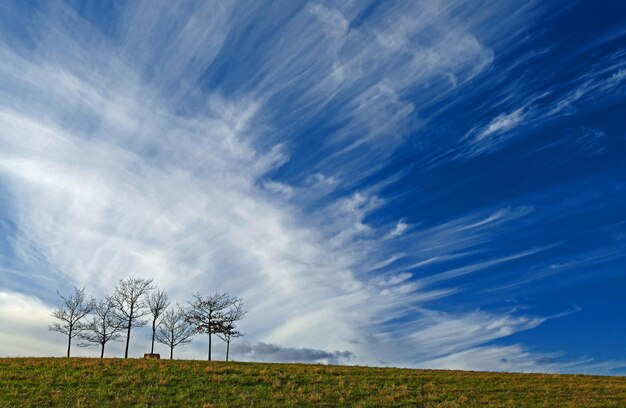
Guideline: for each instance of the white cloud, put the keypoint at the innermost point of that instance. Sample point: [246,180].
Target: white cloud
[400,228]
[362,73]
[279,188]
[518,359]
[470,268]
[25,321]
[496,358]
[501,124]
[603,80]
[334,23]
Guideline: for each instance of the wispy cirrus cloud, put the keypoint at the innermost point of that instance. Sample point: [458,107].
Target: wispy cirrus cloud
[483,138]
[543,104]
[516,358]
[131,185]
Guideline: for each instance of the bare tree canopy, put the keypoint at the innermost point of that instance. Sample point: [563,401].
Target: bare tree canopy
[130,305]
[135,298]
[206,313]
[174,329]
[157,303]
[228,330]
[104,326]
[70,312]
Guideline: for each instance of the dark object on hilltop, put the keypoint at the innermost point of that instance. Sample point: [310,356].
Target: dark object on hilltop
[152,356]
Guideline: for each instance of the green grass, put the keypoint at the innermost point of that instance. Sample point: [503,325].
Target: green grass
[81,382]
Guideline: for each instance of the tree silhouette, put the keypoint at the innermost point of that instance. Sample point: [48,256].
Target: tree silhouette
[104,326]
[130,304]
[72,310]
[228,330]
[157,303]
[206,313]
[174,330]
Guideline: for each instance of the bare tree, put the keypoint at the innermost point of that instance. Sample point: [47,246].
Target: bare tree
[174,330]
[228,330]
[157,303]
[130,304]
[104,326]
[206,313]
[70,312]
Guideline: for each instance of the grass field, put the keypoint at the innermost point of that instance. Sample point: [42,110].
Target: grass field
[80,382]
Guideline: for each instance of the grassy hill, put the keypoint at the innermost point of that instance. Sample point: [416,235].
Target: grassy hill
[80,382]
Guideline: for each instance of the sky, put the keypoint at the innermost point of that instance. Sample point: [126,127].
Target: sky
[432,184]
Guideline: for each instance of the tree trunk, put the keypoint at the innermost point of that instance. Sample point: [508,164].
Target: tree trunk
[209,346]
[69,342]
[127,339]
[227,348]
[102,351]
[153,333]
[172,345]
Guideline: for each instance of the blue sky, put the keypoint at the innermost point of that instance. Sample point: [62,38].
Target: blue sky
[420,184]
